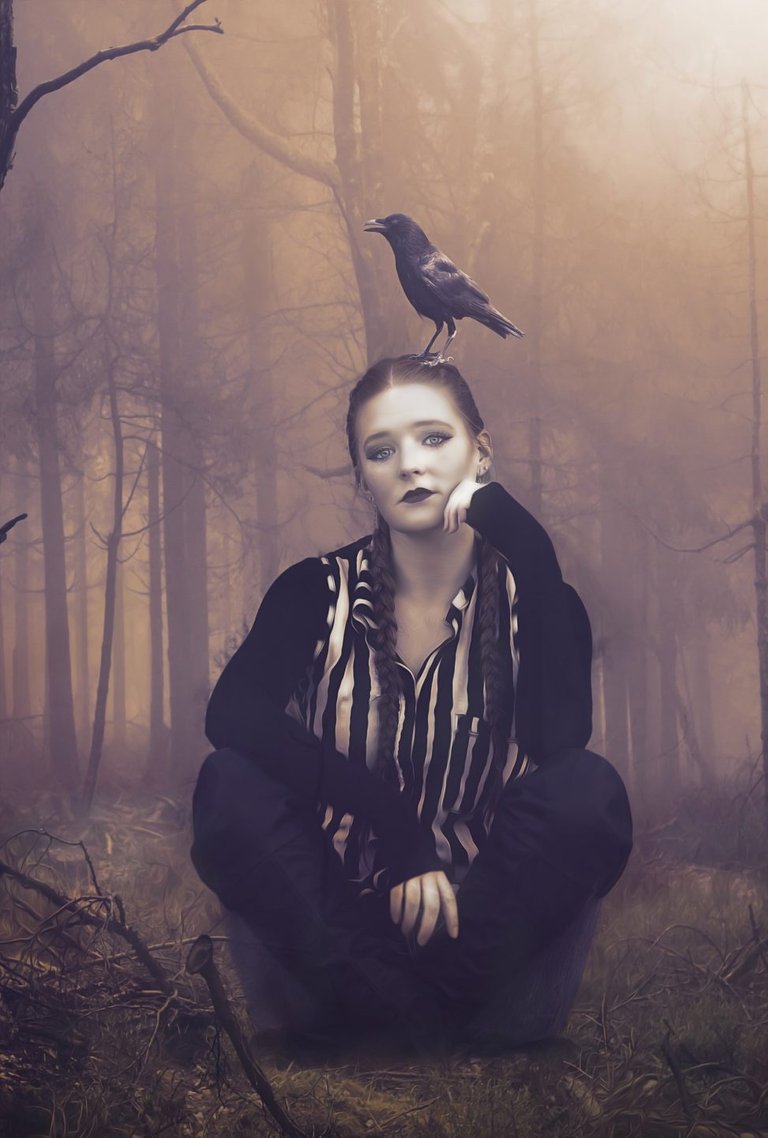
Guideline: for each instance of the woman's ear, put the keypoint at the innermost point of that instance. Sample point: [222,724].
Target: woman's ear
[484,450]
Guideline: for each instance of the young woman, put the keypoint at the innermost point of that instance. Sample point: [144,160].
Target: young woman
[400,803]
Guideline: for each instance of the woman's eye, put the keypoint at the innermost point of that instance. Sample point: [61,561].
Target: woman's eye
[434,439]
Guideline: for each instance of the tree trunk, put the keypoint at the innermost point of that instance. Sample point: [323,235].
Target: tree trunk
[353,175]
[758,506]
[4,560]
[183,501]
[687,711]
[258,285]
[536,321]
[22,703]
[113,549]
[8,89]
[60,705]
[194,505]
[119,710]
[667,774]
[702,698]
[598,695]
[616,704]
[636,577]
[227,621]
[616,634]
[157,729]
[82,677]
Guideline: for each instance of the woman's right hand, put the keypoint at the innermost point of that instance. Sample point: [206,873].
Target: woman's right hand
[424,898]
[456,507]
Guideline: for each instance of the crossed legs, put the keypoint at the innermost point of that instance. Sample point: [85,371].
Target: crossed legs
[559,837]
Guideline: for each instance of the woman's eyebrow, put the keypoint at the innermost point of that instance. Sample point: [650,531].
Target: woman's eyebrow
[419,423]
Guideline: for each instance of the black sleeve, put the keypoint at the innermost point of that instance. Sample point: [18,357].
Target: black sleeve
[553,701]
[247,712]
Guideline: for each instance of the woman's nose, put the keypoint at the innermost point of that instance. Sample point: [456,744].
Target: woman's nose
[411,462]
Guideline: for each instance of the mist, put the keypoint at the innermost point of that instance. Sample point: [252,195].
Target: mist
[621,249]
[187,295]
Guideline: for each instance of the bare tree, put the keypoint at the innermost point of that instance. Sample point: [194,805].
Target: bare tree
[759,511]
[183,489]
[13,115]
[112,542]
[60,704]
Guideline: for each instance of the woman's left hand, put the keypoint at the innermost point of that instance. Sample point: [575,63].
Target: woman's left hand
[422,900]
[458,503]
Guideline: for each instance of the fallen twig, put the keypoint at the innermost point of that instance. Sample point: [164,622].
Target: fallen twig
[118,927]
[200,960]
[757,949]
[685,1096]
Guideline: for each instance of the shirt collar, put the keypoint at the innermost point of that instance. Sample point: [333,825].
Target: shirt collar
[361,607]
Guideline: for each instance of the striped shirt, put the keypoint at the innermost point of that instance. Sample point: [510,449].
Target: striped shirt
[443,751]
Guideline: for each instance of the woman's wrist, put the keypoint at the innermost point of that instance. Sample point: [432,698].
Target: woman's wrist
[404,864]
[459,501]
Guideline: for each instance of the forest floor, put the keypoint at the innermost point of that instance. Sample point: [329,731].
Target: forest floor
[104,1033]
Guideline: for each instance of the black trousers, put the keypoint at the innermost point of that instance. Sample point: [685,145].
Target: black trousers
[560,836]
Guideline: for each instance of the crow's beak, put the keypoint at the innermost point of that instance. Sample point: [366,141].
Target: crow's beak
[375,226]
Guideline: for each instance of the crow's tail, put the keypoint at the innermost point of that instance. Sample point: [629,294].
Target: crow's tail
[499,324]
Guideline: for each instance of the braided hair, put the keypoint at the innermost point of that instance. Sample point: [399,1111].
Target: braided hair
[385,374]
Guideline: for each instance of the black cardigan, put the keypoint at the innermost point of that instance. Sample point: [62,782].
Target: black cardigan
[553,701]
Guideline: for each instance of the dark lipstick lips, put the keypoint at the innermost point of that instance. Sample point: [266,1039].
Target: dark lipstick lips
[416,495]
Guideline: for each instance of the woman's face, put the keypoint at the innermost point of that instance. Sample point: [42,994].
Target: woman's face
[413,438]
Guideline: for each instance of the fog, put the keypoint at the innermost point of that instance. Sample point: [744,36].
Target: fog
[186,296]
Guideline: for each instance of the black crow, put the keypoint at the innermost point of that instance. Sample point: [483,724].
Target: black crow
[435,287]
[9,526]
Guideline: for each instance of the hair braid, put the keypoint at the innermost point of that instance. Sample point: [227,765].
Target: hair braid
[383,596]
[493,668]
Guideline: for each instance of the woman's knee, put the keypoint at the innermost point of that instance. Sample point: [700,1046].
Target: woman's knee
[590,808]
[584,777]
[237,810]
[230,788]
[604,813]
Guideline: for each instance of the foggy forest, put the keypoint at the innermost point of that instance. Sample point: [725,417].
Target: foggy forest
[187,295]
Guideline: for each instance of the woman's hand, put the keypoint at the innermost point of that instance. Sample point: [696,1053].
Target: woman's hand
[428,895]
[458,503]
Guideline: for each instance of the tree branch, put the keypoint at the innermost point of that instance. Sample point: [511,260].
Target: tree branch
[17,116]
[115,925]
[697,548]
[37,93]
[256,132]
[331,472]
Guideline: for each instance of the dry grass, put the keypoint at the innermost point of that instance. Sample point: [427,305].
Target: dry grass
[669,1035]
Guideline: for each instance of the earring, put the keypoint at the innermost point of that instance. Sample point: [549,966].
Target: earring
[367,494]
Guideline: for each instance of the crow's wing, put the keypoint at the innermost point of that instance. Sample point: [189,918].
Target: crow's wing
[451,287]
